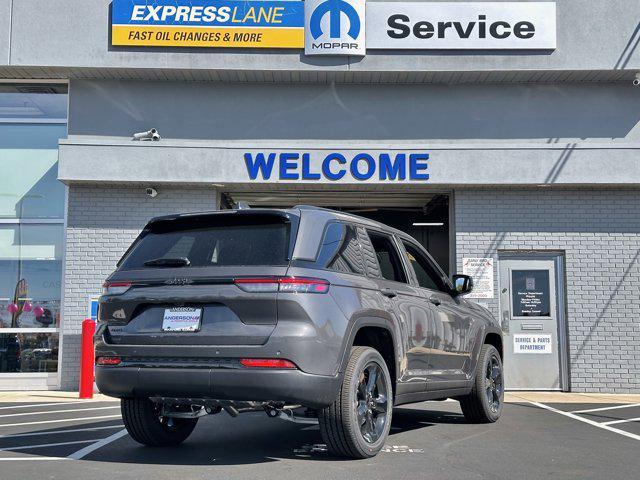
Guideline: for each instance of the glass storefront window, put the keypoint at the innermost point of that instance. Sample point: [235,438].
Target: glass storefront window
[30,127]
[28,352]
[30,273]
[32,121]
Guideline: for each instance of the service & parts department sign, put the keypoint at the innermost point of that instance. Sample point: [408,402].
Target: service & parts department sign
[334,27]
[207,23]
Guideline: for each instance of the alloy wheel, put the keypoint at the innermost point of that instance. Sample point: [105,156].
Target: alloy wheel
[494,383]
[371,403]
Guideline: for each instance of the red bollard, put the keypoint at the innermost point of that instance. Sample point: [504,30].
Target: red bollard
[87,359]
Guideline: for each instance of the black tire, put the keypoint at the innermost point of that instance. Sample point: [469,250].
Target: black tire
[484,403]
[145,425]
[359,404]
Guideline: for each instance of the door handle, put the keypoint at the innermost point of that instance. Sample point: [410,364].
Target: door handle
[387,292]
[435,300]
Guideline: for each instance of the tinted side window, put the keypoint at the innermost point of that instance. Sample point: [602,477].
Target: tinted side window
[340,249]
[425,274]
[388,258]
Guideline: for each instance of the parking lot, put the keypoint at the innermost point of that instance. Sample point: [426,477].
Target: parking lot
[85,439]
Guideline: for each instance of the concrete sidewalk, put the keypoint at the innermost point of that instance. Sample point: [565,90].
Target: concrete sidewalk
[569,397]
[511,397]
[46,396]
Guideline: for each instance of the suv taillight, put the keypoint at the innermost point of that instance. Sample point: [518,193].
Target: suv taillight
[115,288]
[282,284]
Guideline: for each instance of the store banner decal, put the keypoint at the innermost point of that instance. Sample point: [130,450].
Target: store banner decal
[206,23]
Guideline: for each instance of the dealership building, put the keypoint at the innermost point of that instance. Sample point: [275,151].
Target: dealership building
[504,136]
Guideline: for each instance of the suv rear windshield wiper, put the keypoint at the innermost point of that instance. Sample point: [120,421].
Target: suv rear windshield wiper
[168,262]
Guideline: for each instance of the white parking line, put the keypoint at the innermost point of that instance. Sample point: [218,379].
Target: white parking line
[30,459]
[53,432]
[586,420]
[50,404]
[43,445]
[62,420]
[91,448]
[614,422]
[588,410]
[57,411]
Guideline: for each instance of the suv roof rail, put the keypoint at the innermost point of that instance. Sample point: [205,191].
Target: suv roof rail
[313,207]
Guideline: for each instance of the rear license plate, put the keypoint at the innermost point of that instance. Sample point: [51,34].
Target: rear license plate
[182,319]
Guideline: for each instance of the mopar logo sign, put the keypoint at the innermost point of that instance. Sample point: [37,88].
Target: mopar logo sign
[334,27]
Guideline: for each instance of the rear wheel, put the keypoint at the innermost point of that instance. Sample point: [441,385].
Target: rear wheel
[484,403]
[357,423]
[145,425]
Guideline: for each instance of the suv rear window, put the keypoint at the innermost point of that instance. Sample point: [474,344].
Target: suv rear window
[258,242]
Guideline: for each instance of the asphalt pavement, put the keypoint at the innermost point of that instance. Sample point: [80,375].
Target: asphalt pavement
[431,440]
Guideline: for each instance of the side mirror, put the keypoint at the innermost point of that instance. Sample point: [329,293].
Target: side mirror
[462,284]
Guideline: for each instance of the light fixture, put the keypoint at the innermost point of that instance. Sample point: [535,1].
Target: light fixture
[427,224]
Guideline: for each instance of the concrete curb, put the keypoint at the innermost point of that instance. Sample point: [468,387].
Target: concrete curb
[570,397]
[49,396]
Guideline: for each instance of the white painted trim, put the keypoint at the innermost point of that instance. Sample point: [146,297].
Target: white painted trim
[54,81]
[29,330]
[34,121]
[586,420]
[32,221]
[27,375]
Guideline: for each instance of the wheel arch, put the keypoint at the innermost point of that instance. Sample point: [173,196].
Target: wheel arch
[495,339]
[375,332]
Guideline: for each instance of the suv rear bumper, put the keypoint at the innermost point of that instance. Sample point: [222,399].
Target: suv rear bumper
[289,386]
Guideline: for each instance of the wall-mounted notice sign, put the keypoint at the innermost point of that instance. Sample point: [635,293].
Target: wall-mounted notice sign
[481,270]
[532,343]
[208,23]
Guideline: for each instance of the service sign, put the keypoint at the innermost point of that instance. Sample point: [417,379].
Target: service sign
[334,27]
[208,23]
[461,25]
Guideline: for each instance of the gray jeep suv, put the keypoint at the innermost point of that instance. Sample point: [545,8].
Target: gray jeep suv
[258,309]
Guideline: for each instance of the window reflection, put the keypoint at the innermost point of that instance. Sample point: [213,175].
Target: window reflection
[30,275]
[28,352]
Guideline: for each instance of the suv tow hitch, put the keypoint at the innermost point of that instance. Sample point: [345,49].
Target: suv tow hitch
[198,407]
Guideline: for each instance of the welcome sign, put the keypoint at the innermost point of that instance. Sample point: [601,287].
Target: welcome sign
[207,23]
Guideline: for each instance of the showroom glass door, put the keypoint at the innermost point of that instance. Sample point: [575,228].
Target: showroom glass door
[33,118]
[532,321]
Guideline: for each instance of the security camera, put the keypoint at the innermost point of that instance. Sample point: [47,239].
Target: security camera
[636,81]
[151,192]
[152,135]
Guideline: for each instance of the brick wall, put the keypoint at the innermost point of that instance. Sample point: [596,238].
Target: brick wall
[101,224]
[599,233]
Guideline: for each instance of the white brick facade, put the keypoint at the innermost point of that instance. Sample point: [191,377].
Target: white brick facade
[102,221]
[599,233]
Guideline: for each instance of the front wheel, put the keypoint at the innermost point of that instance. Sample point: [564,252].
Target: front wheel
[484,403]
[357,423]
[145,425]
